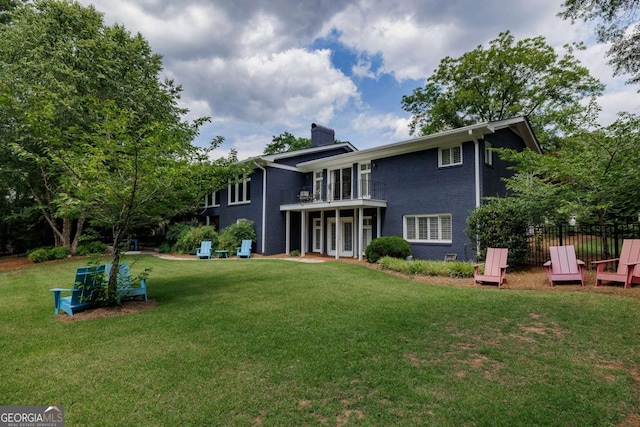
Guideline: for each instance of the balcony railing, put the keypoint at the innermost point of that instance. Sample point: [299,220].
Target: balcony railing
[365,189]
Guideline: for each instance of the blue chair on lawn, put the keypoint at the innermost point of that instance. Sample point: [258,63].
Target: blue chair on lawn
[84,292]
[205,250]
[127,288]
[244,250]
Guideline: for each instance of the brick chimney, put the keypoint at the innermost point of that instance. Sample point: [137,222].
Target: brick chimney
[321,135]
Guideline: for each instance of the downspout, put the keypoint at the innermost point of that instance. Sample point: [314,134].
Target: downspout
[477,178]
[264,207]
[477,167]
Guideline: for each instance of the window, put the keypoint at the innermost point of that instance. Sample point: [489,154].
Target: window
[365,180]
[240,192]
[341,184]
[450,156]
[488,154]
[317,185]
[212,199]
[428,228]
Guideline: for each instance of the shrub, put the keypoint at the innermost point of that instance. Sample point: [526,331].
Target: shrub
[393,246]
[88,248]
[164,248]
[232,236]
[427,267]
[502,223]
[39,255]
[59,252]
[191,238]
[176,231]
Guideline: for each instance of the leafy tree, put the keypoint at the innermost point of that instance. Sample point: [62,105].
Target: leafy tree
[617,24]
[504,80]
[91,130]
[592,176]
[286,142]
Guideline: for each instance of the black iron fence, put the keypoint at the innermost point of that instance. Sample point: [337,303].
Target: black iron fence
[592,242]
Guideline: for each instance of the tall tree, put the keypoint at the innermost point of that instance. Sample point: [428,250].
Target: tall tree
[618,24]
[593,176]
[286,142]
[89,127]
[504,80]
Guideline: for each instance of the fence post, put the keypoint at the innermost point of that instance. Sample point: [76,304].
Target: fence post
[615,240]
[560,235]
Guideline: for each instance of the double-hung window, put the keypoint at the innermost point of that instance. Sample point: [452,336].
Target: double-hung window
[488,154]
[450,156]
[428,228]
[341,183]
[240,191]
[365,180]
[212,199]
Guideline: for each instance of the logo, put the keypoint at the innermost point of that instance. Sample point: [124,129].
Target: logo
[31,416]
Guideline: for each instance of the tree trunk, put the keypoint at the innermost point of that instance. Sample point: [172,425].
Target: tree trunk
[112,285]
[67,225]
[76,238]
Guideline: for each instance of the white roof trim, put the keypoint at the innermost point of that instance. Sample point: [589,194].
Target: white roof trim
[520,125]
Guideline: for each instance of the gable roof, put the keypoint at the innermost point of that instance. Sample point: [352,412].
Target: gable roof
[519,125]
[272,159]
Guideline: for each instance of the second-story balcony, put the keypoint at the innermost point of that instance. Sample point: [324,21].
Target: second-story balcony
[343,195]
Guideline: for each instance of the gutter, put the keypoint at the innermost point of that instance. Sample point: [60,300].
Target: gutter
[264,207]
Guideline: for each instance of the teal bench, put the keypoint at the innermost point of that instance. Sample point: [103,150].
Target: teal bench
[84,291]
[86,288]
[126,286]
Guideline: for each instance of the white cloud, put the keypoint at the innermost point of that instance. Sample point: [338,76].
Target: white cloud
[290,86]
[381,128]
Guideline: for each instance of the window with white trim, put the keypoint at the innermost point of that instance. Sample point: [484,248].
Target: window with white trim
[428,228]
[212,199]
[318,180]
[450,156]
[488,154]
[365,180]
[240,191]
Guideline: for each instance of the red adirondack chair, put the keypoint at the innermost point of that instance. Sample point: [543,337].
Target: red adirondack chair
[564,266]
[628,265]
[495,266]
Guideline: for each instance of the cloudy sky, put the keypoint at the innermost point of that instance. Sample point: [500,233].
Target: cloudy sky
[260,68]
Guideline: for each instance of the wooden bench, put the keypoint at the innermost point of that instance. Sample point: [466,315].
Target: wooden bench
[84,292]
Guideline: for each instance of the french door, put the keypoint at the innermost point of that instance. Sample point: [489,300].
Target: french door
[343,243]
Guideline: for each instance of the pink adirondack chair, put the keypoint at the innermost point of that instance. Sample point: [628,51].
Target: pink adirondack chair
[628,265]
[495,266]
[564,266]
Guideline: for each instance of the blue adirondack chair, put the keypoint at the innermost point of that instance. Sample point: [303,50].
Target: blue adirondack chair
[126,288]
[83,293]
[244,250]
[205,250]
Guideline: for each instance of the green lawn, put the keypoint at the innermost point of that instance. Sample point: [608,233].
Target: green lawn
[280,343]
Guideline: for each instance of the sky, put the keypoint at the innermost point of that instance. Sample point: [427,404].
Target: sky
[260,68]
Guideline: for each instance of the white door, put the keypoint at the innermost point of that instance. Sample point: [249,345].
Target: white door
[343,243]
[317,235]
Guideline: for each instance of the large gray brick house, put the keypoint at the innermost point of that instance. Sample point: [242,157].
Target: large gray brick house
[334,199]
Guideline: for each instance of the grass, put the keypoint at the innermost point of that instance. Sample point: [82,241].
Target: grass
[275,342]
